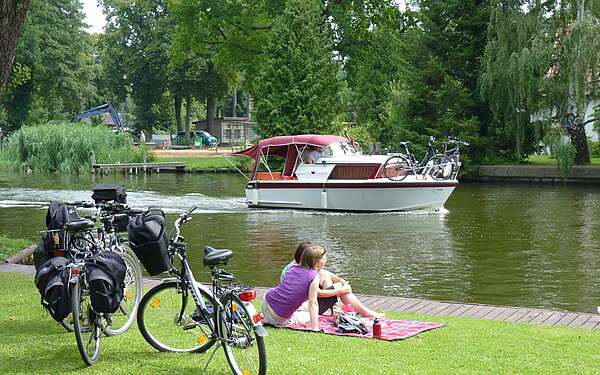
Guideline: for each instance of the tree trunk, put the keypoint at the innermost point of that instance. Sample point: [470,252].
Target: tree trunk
[178,104]
[188,112]
[12,17]
[210,114]
[234,111]
[579,140]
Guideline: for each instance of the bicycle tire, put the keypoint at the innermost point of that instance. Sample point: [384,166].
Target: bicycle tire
[123,318]
[167,311]
[67,323]
[244,349]
[396,168]
[87,331]
[441,168]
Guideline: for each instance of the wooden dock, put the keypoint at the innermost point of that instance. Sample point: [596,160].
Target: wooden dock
[436,308]
[135,168]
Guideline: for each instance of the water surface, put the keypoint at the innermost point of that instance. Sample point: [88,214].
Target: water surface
[509,245]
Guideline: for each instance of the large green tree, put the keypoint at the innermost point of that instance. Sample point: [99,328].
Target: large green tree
[437,94]
[136,46]
[544,58]
[57,53]
[297,89]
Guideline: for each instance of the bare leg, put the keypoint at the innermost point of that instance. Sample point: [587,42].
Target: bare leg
[364,311]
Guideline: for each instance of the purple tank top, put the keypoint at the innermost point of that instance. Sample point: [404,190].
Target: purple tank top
[291,293]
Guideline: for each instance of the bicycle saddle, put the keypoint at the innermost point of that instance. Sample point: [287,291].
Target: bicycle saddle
[404,144]
[213,256]
[79,225]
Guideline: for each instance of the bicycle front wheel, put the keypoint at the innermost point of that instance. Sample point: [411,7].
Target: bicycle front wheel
[244,349]
[440,167]
[123,318]
[85,324]
[170,322]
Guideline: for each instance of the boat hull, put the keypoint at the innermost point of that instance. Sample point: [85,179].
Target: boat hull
[370,196]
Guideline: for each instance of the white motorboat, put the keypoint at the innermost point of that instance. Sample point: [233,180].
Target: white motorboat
[340,178]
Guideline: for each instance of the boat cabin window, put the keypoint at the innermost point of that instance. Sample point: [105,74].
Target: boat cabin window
[340,149]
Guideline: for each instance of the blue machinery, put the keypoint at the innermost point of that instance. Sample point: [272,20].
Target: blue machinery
[105,108]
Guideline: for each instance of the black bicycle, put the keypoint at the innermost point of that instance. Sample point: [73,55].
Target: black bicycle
[433,164]
[182,315]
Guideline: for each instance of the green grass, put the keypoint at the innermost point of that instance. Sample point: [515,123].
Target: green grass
[9,246]
[31,342]
[204,163]
[545,160]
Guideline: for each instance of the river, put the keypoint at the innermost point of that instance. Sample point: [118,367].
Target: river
[514,245]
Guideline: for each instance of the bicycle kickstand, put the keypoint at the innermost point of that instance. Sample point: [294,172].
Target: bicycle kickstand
[210,358]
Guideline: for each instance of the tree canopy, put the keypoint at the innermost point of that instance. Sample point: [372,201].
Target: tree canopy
[497,74]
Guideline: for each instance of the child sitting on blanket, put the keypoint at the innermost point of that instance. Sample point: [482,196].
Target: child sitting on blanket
[331,286]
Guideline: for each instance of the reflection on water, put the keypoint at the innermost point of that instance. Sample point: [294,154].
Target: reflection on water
[510,245]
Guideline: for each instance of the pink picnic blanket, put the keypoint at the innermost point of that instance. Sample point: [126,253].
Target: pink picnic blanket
[391,329]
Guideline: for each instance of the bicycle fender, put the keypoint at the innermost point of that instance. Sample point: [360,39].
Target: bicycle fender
[260,331]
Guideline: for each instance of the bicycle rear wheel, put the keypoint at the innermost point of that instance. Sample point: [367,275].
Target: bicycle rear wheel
[396,168]
[123,318]
[85,324]
[169,321]
[244,349]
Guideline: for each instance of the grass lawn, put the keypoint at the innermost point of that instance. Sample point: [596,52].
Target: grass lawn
[202,163]
[31,342]
[545,160]
[9,246]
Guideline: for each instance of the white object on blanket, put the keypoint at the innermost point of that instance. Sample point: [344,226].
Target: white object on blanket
[300,317]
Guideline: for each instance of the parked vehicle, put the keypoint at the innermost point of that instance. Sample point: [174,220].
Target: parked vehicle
[196,135]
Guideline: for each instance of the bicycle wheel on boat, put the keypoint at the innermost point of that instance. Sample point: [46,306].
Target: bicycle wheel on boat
[396,168]
[85,324]
[123,318]
[440,167]
[244,348]
[168,320]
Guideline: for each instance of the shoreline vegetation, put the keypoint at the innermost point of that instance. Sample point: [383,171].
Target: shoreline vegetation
[68,148]
[462,346]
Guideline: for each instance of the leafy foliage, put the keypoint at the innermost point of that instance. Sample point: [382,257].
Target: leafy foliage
[297,89]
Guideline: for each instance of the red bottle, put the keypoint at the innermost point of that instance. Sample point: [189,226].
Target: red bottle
[376,328]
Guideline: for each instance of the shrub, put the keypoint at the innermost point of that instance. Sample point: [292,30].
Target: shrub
[594,149]
[70,148]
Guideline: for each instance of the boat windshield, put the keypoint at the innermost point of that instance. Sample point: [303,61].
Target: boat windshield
[341,149]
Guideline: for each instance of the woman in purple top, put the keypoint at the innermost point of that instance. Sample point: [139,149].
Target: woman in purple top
[300,283]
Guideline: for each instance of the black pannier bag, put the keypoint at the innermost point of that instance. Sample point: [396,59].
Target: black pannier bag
[52,282]
[103,193]
[149,241]
[106,279]
[53,243]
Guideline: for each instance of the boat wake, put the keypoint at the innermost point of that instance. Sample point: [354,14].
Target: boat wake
[25,197]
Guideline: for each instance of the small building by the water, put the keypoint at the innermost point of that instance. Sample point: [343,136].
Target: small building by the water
[229,130]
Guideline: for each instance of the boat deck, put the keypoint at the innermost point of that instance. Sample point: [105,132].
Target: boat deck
[435,308]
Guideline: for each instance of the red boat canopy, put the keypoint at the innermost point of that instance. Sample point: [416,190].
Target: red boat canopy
[286,147]
[275,143]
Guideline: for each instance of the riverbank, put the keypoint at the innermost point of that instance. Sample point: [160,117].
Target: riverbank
[464,345]
[579,174]
[11,246]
